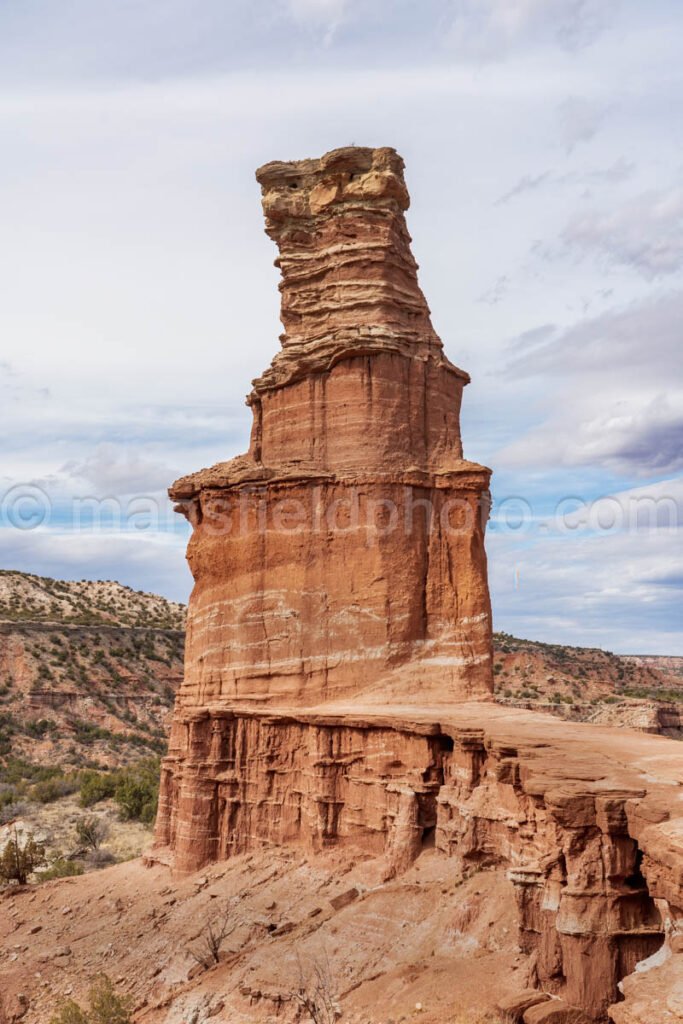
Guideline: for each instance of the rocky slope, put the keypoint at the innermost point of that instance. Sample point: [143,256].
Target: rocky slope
[528,669]
[590,685]
[425,939]
[535,862]
[88,670]
[28,598]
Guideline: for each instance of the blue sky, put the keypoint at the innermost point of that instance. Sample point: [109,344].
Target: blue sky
[542,140]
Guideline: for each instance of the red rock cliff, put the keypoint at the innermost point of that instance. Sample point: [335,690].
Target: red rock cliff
[349,540]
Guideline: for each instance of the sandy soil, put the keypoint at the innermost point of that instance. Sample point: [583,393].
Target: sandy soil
[427,938]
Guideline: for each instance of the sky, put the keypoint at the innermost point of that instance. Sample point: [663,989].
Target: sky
[542,141]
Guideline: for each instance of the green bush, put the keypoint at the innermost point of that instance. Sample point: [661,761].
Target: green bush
[69,1012]
[96,786]
[105,1007]
[49,790]
[11,810]
[15,772]
[61,868]
[8,727]
[137,791]
[20,858]
[37,729]
[8,795]
[91,831]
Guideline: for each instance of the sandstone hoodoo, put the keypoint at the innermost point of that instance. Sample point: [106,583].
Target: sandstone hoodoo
[338,676]
[349,540]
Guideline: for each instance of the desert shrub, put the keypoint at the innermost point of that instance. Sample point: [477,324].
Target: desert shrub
[137,791]
[104,1007]
[38,729]
[49,790]
[61,868]
[100,858]
[69,1012]
[8,727]
[91,831]
[17,772]
[8,794]
[88,733]
[20,858]
[12,810]
[96,786]
[316,992]
[207,950]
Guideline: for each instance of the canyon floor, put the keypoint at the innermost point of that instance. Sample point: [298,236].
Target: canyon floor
[434,943]
[426,938]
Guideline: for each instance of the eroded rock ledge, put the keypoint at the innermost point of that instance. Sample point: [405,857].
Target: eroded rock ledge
[585,833]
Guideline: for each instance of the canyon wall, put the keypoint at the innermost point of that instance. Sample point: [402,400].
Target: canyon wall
[579,832]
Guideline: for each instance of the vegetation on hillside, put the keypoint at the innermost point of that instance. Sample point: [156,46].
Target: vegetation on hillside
[105,1006]
[528,670]
[20,858]
[129,793]
[88,673]
[25,597]
[88,670]
[134,789]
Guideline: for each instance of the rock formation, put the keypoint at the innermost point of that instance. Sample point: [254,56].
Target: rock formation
[337,690]
[347,544]
[316,568]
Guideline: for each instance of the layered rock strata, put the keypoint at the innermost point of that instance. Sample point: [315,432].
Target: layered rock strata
[587,834]
[339,629]
[350,538]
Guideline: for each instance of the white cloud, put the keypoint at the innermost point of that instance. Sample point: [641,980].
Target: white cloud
[634,436]
[621,591]
[579,120]
[490,29]
[644,233]
[319,15]
[657,506]
[496,293]
[154,562]
[115,470]
[638,343]
[613,391]
[328,11]
[616,172]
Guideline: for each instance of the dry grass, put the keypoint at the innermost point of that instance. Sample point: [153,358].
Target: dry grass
[54,825]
